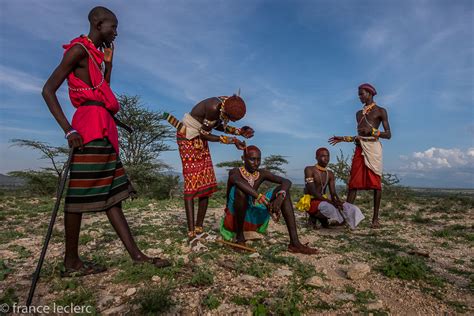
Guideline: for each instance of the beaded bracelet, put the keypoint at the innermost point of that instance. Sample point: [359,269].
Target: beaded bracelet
[227,140]
[281,192]
[375,132]
[72,131]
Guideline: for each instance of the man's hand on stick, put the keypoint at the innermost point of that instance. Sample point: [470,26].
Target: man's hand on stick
[75,141]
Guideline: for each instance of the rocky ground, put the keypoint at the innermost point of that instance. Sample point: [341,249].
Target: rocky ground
[419,262]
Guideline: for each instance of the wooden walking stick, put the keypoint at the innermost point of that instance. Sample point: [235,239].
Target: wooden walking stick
[232,244]
[59,193]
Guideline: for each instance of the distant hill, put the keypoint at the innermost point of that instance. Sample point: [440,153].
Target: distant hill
[6,181]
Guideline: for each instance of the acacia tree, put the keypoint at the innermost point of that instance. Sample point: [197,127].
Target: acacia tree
[140,150]
[56,154]
[273,163]
[229,165]
[42,181]
[147,142]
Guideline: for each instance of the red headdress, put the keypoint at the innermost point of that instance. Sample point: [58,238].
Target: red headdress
[234,107]
[368,87]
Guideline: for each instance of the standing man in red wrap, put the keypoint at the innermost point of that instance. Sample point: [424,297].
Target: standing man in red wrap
[97,178]
[366,170]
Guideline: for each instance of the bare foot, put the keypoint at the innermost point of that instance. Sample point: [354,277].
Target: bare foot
[375,224]
[300,248]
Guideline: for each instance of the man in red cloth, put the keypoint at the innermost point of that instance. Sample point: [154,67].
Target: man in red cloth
[366,171]
[194,133]
[97,178]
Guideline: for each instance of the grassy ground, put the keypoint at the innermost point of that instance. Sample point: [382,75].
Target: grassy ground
[421,261]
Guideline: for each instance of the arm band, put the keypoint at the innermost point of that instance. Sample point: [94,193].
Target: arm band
[375,132]
[232,130]
[281,192]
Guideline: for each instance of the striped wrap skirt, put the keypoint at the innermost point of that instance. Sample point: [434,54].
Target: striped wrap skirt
[97,179]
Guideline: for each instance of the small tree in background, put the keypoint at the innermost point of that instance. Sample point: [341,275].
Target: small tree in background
[341,168]
[144,146]
[56,154]
[44,181]
[140,150]
[274,164]
[229,165]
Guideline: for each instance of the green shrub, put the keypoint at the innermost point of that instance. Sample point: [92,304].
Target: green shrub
[201,277]
[9,297]
[154,300]
[4,270]
[211,301]
[42,182]
[405,268]
[79,297]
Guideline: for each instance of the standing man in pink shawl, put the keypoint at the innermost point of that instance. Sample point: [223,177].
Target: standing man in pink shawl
[97,178]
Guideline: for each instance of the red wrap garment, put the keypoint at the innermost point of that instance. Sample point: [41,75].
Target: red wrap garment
[92,122]
[362,177]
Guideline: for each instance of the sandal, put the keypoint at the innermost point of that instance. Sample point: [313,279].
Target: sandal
[87,268]
[157,262]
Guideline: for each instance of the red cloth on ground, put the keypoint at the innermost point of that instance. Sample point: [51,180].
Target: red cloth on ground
[198,172]
[362,178]
[93,122]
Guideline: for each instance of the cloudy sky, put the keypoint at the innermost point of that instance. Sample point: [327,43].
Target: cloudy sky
[297,63]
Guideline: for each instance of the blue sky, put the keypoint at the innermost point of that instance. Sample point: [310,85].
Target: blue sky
[297,63]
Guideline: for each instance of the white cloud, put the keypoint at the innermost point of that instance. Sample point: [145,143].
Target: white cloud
[439,158]
[19,81]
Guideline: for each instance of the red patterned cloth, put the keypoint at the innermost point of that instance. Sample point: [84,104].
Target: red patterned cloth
[362,178]
[198,172]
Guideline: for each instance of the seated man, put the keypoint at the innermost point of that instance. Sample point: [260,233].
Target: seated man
[316,201]
[248,210]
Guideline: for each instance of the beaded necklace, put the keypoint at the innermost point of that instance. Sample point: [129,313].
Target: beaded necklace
[249,177]
[366,110]
[95,63]
[222,115]
[322,169]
